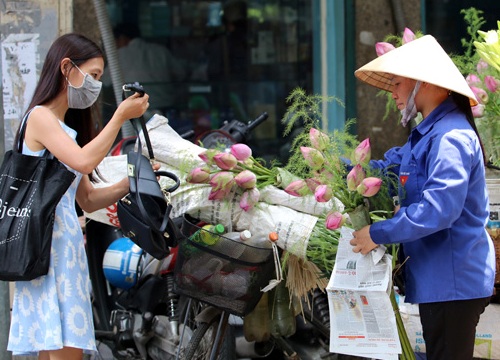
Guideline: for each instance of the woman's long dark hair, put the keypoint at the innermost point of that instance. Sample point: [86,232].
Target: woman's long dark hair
[79,49]
[463,104]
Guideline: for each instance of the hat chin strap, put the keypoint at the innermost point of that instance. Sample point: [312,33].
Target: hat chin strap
[410,111]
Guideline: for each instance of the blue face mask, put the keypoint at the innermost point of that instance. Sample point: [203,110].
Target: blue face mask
[86,94]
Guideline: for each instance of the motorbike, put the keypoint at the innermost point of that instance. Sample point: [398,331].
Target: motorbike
[139,315]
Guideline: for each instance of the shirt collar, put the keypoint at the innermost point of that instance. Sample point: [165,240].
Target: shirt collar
[437,114]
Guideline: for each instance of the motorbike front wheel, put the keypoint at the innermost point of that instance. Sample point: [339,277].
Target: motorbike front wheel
[212,339]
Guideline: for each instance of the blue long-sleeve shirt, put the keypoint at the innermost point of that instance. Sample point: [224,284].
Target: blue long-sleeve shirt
[444,210]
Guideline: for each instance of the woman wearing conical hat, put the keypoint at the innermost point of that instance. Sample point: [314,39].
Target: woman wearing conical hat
[450,265]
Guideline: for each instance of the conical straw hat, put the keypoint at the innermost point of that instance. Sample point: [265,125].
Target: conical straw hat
[421,59]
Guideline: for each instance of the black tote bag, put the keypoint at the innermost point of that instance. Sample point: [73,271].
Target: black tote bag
[30,189]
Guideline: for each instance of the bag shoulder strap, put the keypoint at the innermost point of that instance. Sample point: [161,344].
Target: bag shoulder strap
[22,133]
[146,138]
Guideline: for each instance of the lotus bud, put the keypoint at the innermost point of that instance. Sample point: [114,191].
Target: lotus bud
[225,161]
[323,193]
[473,80]
[478,111]
[222,180]
[208,155]
[246,179]
[241,151]
[219,194]
[334,220]
[481,95]
[313,157]
[383,47]
[319,140]
[355,176]
[481,66]
[297,188]
[249,198]
[198,176]
[491,83]
[369,186]
[362,153]
[324,174]
[312,184]
[248,162]
[408,36]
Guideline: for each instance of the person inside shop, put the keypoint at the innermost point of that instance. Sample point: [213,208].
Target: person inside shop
[449,258]
[227,52]
[151,64]
[52,315]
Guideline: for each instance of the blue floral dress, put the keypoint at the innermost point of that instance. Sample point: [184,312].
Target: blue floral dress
[55,310]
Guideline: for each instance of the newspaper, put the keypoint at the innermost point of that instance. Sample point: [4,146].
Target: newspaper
[362,321]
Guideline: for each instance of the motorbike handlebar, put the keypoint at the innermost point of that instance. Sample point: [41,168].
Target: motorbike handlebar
[253,124]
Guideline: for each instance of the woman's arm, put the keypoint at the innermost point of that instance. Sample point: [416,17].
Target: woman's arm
[44,131]
[90,198]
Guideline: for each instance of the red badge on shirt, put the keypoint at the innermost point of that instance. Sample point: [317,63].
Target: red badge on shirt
[403,179]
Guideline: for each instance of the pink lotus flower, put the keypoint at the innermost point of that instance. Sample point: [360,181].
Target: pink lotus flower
[313,157]
[219,194]
[334,220]
[198,176]
[408,36]
[369,186]
[249,198]
[473,80]
[208,155]
[383,47]
[491,83]
[362,153]
[323,193]
[319,140]
[225,161]
[241,151]
[355,177]
[481,95]
[481,66]
[312,184]
[478,111]
[324,174]
[297,188]
[246,179]
[222,180]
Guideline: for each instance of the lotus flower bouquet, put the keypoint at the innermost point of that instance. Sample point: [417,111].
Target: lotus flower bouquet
[346,177]
[224,169]
[333,166]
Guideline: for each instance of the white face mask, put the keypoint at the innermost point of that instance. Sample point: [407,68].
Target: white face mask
[86,94]
[410,111]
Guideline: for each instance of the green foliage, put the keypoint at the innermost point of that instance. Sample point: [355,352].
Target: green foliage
[467,61]
[322,247]
[305,110]
[475,21]
[341,145]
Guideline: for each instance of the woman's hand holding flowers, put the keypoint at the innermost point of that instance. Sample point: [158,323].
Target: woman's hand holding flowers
[362,241]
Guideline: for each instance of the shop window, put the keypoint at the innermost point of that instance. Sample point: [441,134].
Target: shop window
[444,21]
[240,58]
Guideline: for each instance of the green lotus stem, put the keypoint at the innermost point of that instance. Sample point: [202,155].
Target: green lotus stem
[406,348]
